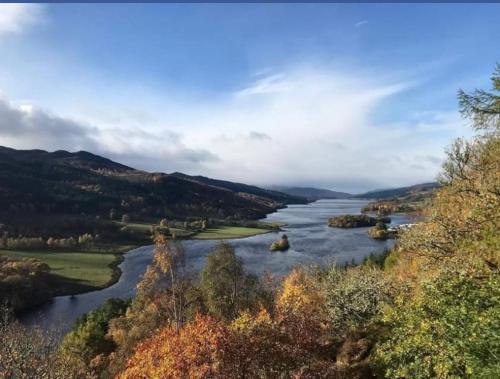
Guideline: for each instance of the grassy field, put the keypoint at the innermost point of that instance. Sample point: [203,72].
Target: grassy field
[145,229]
[221,232]
[75,272]
[225,232]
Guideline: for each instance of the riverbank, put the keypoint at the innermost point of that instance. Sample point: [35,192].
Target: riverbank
[75,272]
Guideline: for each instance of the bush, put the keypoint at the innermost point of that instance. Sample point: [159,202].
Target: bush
[23,283]
[354,296]
[88,338]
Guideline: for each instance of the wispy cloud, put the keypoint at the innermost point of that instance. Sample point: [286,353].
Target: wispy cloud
[266,85]
[15,18]
[360,23]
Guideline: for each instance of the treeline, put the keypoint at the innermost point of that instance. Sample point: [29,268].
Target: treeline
[356,221]
[21,242]
[385,208]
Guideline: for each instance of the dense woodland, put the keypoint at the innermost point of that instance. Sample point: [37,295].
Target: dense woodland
[428,309]
[55,194]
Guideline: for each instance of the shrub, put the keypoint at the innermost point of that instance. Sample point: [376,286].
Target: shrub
[88,337]
[354,296]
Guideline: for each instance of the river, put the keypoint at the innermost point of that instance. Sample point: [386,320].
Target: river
[311,240]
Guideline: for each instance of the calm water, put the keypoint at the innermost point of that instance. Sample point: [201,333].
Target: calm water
[311,240]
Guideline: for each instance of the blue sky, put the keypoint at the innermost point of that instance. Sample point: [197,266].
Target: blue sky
[343,96]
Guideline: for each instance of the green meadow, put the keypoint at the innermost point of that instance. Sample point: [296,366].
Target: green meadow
[227,232]
[74,271]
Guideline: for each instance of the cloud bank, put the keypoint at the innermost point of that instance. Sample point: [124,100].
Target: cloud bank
[26,127]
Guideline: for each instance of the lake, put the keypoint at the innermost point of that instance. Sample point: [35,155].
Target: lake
[312,241]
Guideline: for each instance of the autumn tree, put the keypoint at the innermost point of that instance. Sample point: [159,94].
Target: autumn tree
[446,325]
[164,296]
[227,288]
[195,351]
[24,283]
[466,211]
[301,311]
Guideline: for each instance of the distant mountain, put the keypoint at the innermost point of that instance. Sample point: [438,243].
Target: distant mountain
[241,188]
[311,193]
[414,191]
[82,183]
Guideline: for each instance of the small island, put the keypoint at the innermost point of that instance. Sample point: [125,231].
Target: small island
[381,232]
[280,245]
[356,221]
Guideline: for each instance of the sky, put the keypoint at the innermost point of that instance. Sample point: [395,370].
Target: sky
[349,97]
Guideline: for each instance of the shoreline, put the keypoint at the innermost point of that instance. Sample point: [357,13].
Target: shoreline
[64,286]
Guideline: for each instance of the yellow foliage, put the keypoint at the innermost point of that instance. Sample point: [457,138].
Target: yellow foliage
[300,309]
[193,352]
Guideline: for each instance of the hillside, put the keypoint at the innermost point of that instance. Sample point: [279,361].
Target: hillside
[311,193]
[37,182]
[257,192]
[415,191]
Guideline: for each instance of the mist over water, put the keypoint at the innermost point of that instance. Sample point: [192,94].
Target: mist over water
[312,241]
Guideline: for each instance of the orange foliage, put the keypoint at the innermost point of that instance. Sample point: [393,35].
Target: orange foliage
[193,352]
[291,343]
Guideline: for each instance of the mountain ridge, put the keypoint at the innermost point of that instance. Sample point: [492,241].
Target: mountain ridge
[389,193]
[62,182]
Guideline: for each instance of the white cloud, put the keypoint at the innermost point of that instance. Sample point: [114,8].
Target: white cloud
[269,84]
[27,127]
[360,23]
[319,130]
[15,18]
[305,125]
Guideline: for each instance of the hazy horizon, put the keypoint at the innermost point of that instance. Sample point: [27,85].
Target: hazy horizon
[347,97]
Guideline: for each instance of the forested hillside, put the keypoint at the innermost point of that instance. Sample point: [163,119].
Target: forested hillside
[38,183]
[313,194]
[415,191]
